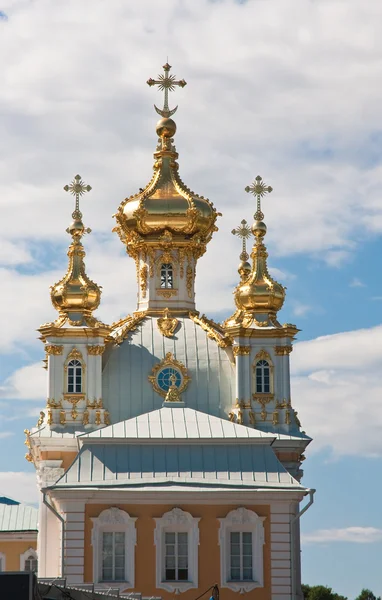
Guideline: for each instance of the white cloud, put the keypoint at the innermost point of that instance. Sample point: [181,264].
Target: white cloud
[355,282]
[19,485]
[6,434]
[27,383]
[300,309]
[356,535]
[337,387]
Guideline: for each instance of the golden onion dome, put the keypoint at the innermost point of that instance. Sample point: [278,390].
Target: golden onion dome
[258,297]
[166,205]
[76,296]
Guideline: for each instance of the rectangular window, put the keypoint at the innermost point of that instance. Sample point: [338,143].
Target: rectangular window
[176,556]
[113,556]
[241,559]
[166,276]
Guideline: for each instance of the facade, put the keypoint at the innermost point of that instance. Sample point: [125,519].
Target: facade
[169,455]
[18,536]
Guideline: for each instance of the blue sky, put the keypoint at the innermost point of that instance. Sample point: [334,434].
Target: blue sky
[288,89]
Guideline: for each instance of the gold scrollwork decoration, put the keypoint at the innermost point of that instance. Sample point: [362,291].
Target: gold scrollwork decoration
[189,280]
[167,293]
[41,418]
[283,350]
[241,350]
[53,349]
[143,274]
[169,361]
[95,350]
[214,331]
[262,355]
[166,325]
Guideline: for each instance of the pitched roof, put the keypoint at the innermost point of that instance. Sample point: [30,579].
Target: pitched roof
[18,517]
[179,424]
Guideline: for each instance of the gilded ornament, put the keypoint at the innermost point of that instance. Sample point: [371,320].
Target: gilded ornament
[189,280]
[283,350]
[263,400]
[241,350]
[169,361]
[240,417]
[166,83]
[231,416]
[173,394]
[41,419]
[52,349]
[263,414]
[297,420]
[167,293]
[98,417]
[96,350]
[287,417]
[62,417]
[275,417]
[75,354]
[252,417]
[85,417]
[126,326]
[166,325]
[143,279]
[29,457]
[214,331]
[74,413]
[50,417]
[45,362]
[284,404]
[262,355]
[106,417]
[302,457]
[51,403]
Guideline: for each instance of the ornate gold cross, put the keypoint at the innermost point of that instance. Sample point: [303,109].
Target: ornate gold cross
[243,231]
[258,189]
[167,84]
[77,188]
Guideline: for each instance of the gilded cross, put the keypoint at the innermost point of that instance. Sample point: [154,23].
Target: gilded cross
[167,84]
[243,231]
[259,189]
[77,188]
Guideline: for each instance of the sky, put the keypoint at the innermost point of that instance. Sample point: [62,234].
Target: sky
[288,89]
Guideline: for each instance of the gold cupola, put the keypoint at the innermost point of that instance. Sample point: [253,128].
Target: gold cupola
[166,208]
[76,296]
[258,297]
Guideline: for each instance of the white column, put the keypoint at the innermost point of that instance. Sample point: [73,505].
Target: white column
[74,545]
[281,582]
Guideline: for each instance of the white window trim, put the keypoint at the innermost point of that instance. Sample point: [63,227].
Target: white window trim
[25,555]
[177,520]
[3,561]
[242,519]
[114,519]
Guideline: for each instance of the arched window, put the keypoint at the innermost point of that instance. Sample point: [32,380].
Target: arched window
[74,377]
[166,276]
[263,377]
[28,561]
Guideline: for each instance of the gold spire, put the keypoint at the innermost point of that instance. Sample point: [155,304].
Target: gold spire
[166,210]
[75,296]
[258,297]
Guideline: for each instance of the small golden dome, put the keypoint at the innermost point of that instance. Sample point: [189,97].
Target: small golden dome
[166,128]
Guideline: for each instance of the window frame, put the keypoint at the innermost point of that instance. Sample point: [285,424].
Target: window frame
[25,556]
[179,521]
[260,356]
[114,520]
[242,520]
[79,366]
[262,368]
[167,268]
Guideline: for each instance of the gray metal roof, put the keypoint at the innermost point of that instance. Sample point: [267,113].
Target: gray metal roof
[127,391]
[178,424]
[130,465]
[18,517]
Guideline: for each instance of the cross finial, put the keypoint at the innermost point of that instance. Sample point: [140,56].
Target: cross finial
[259,189]
[77,188]
[167,84]
[243,231]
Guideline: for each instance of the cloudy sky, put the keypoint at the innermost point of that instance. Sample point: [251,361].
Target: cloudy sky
[288,89]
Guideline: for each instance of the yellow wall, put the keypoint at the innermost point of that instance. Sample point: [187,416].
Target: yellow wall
[209,549]
[12,551]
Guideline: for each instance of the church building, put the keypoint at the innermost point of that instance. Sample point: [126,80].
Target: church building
[169,454]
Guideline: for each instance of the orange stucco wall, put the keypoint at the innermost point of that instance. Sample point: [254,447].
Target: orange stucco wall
[66,457]
[13,549]
[209,549]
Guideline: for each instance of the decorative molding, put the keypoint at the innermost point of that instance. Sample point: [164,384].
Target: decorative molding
[263,355]
[75,354]
[245,520]
[48,475]
[166,325]
[214,331]
[167,293]
[95,350]
[241,350]
[114,519]
[180,521]
[169,361]
[189,280]
[283,350]
[54,350]
[143,274]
